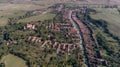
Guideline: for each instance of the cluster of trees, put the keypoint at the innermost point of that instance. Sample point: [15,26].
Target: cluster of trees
[111,6]
[118,10]
[2,65]
[15,19]
[104,45]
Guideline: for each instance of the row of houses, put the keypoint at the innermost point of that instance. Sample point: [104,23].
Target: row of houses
[72,31]
[60,47]
[30,26]
[34,39]
[64,47]
[89,44]
[66,15]
[60,26]
[54,27]
[11,43]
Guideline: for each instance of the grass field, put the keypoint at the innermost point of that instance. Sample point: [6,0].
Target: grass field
[41,17]
[3,21]
[8,10]
[13,10]
[19,7]
[111,16]
[13,61]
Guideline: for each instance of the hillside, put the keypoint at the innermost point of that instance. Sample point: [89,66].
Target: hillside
[58,1]
[104,1]
[59,33]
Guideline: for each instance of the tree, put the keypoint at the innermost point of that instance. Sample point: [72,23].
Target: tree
[2,65]
[6,36]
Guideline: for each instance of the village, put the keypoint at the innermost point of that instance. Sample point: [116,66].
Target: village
[57,27]
[80,35]
[69,39]
[75,31]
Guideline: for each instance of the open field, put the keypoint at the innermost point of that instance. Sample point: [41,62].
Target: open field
[13,61]
[8,10]
[110,15]
[3,21]
[14,10]
[19,7]
[40,17]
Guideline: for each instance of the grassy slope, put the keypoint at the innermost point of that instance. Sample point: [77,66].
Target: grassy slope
[13,10]
[13,61]
[41,17]
[111,16]
[8,10]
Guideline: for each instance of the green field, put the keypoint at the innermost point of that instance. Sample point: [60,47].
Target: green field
[18,8]
[13,61]
[13,10]
[3,21]
[112,16]
[8,10]
[41,17]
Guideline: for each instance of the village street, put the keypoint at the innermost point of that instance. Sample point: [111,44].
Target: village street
[79,32]
[75,26]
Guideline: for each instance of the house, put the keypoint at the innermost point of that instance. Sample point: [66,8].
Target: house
[44,43]
[34,39]
[64,46]
[72,32]
[58,48]
[54,27]
[29,26]
[7,43]
[55,44]
[65,26]
[11,43]
[38,40]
